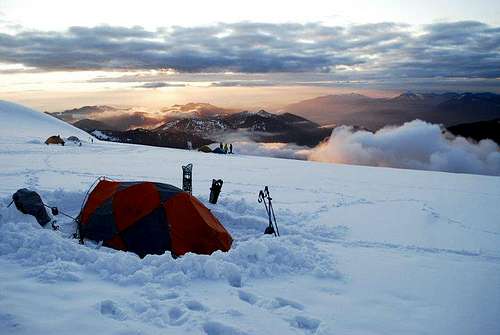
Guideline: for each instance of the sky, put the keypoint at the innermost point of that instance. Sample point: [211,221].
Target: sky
[56,55]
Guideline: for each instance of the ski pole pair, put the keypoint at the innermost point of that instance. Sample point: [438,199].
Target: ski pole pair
[264,196]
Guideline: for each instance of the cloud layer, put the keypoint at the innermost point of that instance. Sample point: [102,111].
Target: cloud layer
[414,145]
[278,150]
[380,51]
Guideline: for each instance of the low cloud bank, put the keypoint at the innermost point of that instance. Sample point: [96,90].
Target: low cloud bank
[414,145]
[131,120]
[278,150]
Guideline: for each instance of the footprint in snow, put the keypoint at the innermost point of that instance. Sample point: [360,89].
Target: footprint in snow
[8,323]
[247,297]
[233,312]
[156,294]
[276,303]
[168,296]
[306,323]
[177,316]
[110,309]
[32,181]
[196,306]
[217,328]
[129,332]
[282,302]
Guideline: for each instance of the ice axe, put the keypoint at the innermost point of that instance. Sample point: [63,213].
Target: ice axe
[264,197]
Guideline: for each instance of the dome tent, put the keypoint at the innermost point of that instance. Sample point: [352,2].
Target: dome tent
[150,218]
[205,148]
[73,139]
[54,140]
[218,151]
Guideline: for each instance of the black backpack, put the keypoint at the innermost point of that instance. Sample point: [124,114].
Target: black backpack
[29,202]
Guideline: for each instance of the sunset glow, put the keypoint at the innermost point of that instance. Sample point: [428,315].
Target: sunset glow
[55,55]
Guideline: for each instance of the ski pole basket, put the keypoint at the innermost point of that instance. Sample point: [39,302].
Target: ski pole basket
[187,178]
[264,197]
[215,190]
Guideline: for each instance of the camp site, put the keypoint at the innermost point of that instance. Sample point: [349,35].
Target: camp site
[237,167]
[129,250]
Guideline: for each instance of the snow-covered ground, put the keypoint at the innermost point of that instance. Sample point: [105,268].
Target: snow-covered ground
[363,250]
[19,123]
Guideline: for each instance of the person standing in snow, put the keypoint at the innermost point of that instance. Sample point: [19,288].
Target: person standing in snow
[221,146]
[230,148]
[225,148]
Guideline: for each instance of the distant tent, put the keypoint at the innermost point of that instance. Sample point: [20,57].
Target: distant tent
[205,148]
[218,151]
[54,140]
[73,139]
[150,218]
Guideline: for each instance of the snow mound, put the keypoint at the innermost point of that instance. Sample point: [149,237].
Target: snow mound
[55,256]
[24,124]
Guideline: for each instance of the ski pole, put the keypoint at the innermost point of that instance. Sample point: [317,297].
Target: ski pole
[263,195]
[274,217]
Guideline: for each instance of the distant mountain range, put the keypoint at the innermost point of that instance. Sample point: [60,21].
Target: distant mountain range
[375,113]
[200,127]
[196,110]
[203,123]
[260,126]
[130,118]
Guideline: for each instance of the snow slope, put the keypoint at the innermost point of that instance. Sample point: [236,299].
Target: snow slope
[19,122]
[363,250]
